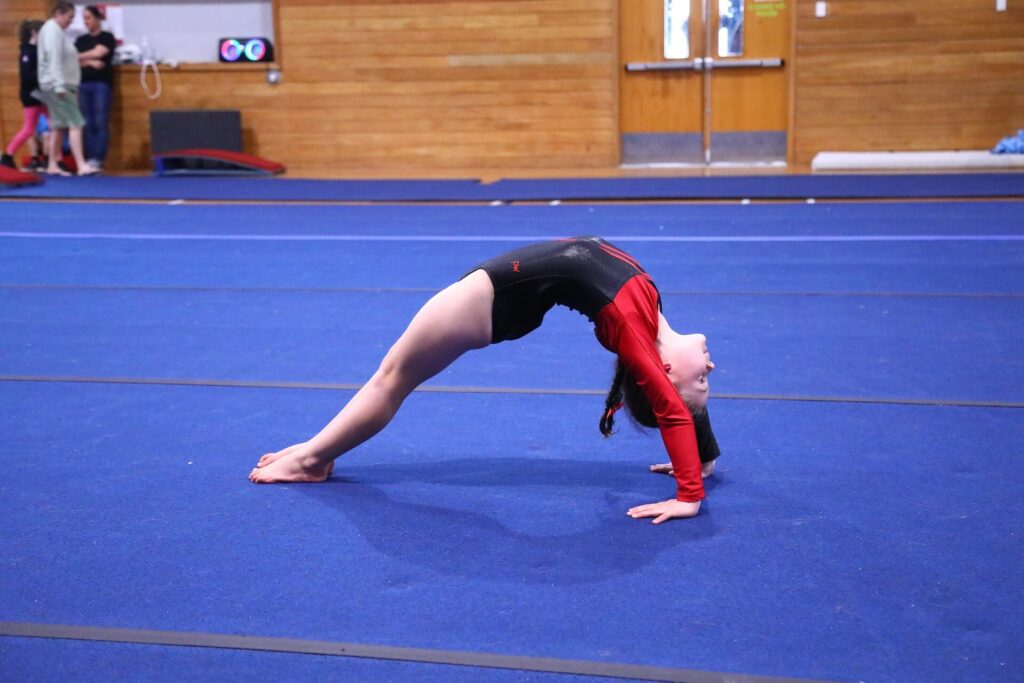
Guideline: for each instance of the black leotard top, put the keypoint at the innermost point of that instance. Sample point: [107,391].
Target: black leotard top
[604,283]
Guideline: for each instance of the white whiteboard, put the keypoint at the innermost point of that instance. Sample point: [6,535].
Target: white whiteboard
[184,31]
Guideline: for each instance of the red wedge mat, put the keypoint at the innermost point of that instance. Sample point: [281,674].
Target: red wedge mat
[212,160]
[10,176]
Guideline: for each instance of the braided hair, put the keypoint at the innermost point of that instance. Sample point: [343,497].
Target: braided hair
[625,391]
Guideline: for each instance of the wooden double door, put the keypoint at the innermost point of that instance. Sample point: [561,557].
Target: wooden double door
[704,81]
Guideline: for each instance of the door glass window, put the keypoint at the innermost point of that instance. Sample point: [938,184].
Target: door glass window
[677,29]
[730,28]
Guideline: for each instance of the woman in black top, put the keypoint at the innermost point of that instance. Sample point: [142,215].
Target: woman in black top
[28,33]
[96,55]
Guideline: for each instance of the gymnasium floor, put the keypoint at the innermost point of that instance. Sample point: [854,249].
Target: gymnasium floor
[864,522]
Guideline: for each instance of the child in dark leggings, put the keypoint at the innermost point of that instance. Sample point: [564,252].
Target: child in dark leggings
[31,108]
[661,376]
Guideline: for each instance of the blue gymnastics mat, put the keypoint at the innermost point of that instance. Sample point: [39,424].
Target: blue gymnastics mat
[820,530]
[40,659]
[523,190]
[765,187]
[863,522]
[896,346]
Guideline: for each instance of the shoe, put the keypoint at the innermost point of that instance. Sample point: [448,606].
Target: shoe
[37,164]
[8,161]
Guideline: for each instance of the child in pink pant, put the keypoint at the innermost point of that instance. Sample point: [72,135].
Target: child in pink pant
[32,108]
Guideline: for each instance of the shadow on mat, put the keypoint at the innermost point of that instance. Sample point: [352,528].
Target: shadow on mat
[591,540]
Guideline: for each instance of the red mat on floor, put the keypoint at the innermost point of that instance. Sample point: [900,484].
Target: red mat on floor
[14,177]
[212,161]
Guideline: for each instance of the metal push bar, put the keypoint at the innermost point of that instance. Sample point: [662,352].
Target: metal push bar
[706,64]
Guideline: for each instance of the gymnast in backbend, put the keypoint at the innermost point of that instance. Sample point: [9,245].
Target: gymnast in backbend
[661,376]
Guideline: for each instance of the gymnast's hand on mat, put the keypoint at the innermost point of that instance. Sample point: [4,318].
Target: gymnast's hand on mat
[706,469]
[666,509]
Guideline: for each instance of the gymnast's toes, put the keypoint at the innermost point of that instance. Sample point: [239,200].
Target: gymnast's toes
[266,459]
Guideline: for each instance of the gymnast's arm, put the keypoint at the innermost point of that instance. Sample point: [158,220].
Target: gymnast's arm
[675,423]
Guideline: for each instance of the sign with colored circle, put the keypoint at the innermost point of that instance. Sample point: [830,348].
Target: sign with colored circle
[246,50]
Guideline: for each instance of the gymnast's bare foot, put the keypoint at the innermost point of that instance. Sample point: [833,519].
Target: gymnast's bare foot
[293,464]
[271,457]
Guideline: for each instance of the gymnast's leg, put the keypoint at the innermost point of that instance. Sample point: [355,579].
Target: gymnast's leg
[454,321]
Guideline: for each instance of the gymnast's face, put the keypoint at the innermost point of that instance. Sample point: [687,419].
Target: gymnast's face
[688,365]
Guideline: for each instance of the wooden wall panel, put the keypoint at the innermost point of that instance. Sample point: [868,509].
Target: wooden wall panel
[881,75]
[472,84]
[403,85]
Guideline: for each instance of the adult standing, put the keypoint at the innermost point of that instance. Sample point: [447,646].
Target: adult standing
[96,56]
[59,79]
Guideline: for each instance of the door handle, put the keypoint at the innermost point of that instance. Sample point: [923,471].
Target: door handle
[680,65]
[706,64]
[769,63]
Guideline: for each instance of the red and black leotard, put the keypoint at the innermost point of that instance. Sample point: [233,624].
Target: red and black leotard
[607,285]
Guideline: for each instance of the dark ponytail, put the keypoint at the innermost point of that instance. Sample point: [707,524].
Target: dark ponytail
[613,401]
[624,391]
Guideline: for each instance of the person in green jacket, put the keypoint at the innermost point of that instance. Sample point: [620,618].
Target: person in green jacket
[59,78]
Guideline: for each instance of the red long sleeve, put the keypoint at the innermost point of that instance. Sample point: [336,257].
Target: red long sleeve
[628,327]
